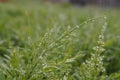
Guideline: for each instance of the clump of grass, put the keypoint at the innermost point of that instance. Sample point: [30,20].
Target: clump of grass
[93,68]
[37,45]
[38,62]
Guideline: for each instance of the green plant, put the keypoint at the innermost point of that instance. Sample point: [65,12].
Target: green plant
[28,64]
[36,43]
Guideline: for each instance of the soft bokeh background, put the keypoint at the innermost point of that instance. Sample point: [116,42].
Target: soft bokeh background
[24,19]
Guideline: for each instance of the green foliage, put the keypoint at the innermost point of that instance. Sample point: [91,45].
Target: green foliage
[41,42]
[2,76]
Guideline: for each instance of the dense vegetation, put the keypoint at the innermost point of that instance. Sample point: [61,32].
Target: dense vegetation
[53,42]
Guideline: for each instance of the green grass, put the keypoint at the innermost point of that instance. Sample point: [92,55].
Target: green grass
[52,42]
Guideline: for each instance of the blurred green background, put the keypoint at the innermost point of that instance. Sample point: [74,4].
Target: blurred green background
[21,19]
